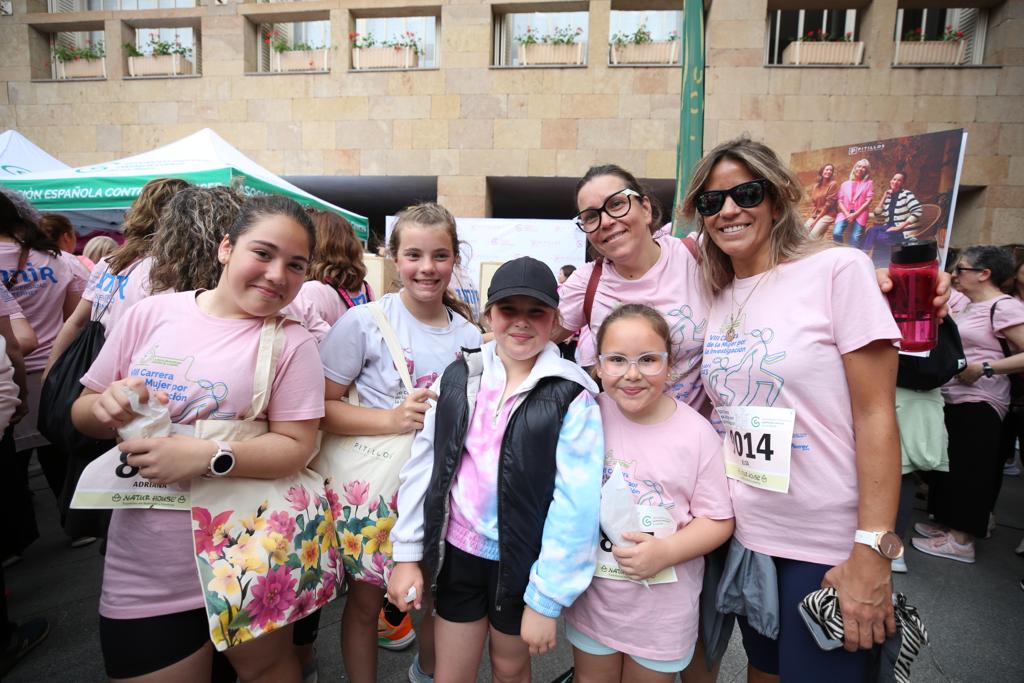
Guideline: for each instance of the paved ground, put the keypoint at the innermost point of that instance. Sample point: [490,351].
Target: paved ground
[974,613]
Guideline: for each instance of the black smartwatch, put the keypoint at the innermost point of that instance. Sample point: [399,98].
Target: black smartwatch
[987,369]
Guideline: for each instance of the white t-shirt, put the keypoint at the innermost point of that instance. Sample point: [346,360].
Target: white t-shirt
[788,353]
[354,350]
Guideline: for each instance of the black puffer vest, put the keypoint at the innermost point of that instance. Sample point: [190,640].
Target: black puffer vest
[526,473]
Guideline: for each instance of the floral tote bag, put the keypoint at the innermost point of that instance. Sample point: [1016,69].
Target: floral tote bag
[362,477]
[266,549]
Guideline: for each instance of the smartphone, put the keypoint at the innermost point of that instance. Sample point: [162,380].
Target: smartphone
[817,632]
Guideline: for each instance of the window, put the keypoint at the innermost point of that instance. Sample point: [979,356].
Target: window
[813,37]
[645,37]
[295,46]
[540,39]
[174,51]
[404,42]
[106,5]
[940,36]
[77,54]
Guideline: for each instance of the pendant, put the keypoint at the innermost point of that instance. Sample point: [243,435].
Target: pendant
[730,335]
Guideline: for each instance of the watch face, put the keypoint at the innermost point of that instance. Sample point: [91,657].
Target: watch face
[890,546]
[222,464]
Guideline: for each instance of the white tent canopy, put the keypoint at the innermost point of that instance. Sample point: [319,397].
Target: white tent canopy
[19,155]
[96,196]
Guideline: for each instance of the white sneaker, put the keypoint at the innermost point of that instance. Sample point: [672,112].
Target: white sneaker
[1020,547]
[899,566]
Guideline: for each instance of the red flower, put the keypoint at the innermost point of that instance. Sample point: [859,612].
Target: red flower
[211,536]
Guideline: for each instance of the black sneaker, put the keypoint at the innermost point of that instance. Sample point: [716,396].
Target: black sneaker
[567,677]
[26,637]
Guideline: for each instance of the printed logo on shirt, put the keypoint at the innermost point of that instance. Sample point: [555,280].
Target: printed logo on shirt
[111,284]
[196,396]
[27,281]
[740,371]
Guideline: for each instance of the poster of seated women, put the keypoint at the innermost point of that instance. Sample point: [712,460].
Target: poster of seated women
[873,195]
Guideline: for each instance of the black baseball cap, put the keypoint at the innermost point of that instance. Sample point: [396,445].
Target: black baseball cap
[524,276]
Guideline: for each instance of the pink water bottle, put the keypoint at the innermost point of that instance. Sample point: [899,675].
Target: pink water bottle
[914,269]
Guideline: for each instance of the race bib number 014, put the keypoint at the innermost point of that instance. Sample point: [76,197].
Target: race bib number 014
[758,445]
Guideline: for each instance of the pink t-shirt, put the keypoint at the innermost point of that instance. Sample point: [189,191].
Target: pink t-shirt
[318,306]
[672,286]
[40,291]
[112,295]
[980,333]
[79,273]
[206,365]
[676,465]
[796,326]
[854,193]
[8,304]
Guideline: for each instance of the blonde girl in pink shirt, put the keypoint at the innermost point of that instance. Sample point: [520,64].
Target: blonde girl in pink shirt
[153,622]
[855,196]
[800,364]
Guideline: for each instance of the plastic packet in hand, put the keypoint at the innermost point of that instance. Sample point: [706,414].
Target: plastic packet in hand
[152,419]
[618,513]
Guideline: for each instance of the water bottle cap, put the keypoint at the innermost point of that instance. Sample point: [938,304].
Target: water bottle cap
[915,251]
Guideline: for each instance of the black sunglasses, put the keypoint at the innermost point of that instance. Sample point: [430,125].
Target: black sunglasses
[746,195]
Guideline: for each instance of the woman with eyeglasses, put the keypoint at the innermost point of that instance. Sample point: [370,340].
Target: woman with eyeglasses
[800,363]
[619,218]
[977,400]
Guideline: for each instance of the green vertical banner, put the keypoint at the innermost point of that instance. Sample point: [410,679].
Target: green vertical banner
[691,104]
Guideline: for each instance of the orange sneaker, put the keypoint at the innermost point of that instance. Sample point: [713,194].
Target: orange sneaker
[394,637]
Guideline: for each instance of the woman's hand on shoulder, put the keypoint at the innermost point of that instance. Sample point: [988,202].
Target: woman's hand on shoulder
[113,409]
[864,584]
[643,560]
[169,459]
[408,417]
[537,631]
[405,577]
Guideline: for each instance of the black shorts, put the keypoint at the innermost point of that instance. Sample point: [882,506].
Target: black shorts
[133,647]
[466,591]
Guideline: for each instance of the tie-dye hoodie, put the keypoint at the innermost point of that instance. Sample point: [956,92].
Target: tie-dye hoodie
[570,536]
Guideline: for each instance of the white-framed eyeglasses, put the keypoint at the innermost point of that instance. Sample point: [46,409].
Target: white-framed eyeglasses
[616,206]
[649,364]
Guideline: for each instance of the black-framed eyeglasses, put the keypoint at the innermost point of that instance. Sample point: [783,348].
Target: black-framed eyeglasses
[616,206]
[649,364]
[746,195]
[959,269]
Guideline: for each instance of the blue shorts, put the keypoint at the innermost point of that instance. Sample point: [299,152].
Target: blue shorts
[587,644]
[794,656]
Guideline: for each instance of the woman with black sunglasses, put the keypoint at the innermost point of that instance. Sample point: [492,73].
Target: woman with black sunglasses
[800,363]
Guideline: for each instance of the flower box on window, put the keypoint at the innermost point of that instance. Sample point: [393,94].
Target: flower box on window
[655,52]
[81,68]
[823,52]
[930,52]
[159,65]
[551,53]
[385,58]
[300,60]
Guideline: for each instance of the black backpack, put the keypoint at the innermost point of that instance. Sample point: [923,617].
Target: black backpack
[944,362]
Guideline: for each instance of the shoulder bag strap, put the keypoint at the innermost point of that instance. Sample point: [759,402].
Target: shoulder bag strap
[388,332]
[1003,344]
[271,343]
[588,297]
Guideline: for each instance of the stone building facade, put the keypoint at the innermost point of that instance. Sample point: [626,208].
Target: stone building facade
[466,119]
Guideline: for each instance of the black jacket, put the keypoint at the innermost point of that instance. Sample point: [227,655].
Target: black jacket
[526,475]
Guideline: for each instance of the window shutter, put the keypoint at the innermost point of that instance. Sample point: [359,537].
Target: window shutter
[972,21]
